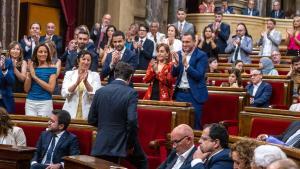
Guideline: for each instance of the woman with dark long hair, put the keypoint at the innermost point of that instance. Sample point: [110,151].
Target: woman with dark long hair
[208,43]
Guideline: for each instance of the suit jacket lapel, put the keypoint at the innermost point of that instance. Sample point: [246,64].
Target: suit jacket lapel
[48,141]
[60,141]
[125,55]
[261,86]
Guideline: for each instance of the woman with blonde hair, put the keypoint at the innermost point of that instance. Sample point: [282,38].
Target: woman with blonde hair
[10,134]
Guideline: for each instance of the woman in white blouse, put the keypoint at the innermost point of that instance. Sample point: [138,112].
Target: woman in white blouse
[171,40]
[79,87]
[10,134]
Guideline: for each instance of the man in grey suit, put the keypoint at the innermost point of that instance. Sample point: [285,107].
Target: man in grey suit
[240,46]
[114,112]
[182,25]
[270,39]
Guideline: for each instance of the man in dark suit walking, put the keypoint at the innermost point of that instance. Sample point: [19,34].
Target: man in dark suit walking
[143,47]
[182,139]
[114,112]
[260,92]
[119,54]
[55,143]
[213,151]
[50,30]
[189,68]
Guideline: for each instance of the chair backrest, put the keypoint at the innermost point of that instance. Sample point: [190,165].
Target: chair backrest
[268,126]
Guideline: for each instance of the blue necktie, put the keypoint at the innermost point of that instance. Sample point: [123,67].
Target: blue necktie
[50,151]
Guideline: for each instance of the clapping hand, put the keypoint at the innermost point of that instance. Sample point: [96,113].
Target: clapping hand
[116,55]
[31,69]
[154,65]
[27,41]
[2,62]
[290,32]
[184,61]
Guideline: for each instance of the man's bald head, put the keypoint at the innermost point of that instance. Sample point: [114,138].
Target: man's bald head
[182,138]
[184,130]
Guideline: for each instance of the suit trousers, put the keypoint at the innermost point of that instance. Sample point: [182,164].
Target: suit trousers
[181,96]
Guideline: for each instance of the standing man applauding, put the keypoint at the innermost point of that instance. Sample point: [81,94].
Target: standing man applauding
[189,68]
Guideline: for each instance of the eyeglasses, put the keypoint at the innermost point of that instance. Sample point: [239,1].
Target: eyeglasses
[143,30]
[276,54]
[239,30]
[178,141]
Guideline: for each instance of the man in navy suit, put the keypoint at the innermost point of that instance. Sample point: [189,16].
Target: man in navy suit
[250,10]
[277,12]
[119,54]
[213,151]
[83,44]
[225,9]
[7,80]
[114,112]
[287,137]
[221,30]
[50,30]
[55,143]
[259,90]
[29,43]
[182,25]
[98,30]
[189,68]
[182,139]
[143,47]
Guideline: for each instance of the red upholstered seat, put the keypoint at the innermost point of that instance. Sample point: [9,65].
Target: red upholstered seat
[268,126]
[141,93]
[216,82]
[137,79]
[85,138]
[20,106]
[220,107]
[153,124]
[277,97]
[32,133]
[58,105]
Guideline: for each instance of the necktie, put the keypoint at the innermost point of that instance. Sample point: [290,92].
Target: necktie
[50,150]
[141,41]
[155,39]
[236,54]
[276,14]
[294,140]
[180,28]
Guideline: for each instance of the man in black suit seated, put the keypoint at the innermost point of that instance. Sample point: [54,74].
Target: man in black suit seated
[83,44]
[250,10]
[213,151]
[114,112]
[182,139]
[50,30]
[277,12]
[55,143]
[290,137]
[119,54]
[143,47]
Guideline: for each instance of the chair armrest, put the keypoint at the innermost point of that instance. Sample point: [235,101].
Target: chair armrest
[279,106]
[229,123]
[157,143]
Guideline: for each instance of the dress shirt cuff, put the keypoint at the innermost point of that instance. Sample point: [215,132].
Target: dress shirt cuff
[33,162]
[27,48]
[196,161]
[4,72]
[62,164]
[111,66]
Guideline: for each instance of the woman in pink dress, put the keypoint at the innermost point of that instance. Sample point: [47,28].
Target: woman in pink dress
[293,38]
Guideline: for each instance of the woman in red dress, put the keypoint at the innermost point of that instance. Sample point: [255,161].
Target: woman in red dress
[159,76]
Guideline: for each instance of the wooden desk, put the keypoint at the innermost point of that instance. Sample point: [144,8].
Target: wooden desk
[88,162]
[15,157]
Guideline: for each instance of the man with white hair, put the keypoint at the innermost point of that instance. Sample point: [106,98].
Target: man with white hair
[264,155]
[283,164]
